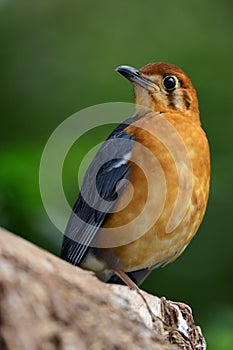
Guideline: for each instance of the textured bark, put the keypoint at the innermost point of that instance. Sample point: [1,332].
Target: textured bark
[47,304]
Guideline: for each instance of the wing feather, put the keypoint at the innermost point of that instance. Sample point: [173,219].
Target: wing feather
[99,193]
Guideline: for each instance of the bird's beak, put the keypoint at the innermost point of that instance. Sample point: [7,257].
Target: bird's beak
[136,77]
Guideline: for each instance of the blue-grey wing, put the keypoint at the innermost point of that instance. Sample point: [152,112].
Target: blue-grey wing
[99,194]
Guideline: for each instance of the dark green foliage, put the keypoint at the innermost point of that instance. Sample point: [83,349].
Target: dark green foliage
[58,57]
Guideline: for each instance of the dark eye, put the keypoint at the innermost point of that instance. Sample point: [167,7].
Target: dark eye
[170,82]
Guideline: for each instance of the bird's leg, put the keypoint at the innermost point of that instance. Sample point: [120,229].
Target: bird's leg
[156,320]
[125,278]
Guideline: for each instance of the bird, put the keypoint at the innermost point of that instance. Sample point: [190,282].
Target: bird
[145,193]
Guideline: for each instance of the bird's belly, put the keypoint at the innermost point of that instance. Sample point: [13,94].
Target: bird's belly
[159,246]
[161,230]
[160,243]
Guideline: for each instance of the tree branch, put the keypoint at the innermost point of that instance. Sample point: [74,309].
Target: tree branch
[47,304]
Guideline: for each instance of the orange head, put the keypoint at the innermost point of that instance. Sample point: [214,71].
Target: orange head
[163,88]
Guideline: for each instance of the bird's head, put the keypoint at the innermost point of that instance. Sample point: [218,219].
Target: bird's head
[163,88]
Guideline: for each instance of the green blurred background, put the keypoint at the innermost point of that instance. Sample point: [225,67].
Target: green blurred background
[58,57]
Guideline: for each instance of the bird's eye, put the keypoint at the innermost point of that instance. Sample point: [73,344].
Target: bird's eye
[170,82]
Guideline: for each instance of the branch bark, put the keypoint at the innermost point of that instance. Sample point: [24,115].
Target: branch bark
[47,304]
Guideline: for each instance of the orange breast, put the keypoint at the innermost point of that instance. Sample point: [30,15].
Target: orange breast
[170,177]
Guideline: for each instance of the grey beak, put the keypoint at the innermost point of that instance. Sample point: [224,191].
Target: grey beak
[128,72]
[134,75]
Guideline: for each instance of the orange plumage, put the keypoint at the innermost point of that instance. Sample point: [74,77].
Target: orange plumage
[166,125]
[156,245]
